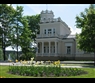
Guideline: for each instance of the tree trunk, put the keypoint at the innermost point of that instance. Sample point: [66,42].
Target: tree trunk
[17,50]
[17,38]
[4,53]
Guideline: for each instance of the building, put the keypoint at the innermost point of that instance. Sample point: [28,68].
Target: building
[55,42]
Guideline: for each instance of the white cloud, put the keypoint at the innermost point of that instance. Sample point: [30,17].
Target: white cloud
[75,30]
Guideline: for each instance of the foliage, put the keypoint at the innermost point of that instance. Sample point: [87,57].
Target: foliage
[1,54]
[20,33]
[33,22]
[28,56]
[6,14]
[86,21]
[25,42]
[44,71]
[28,35]
[19,30]
[17,27]
[4,73]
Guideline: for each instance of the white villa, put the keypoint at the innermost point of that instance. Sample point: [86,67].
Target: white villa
[55,42]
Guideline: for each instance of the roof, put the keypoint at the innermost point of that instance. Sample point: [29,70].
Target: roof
[69,37]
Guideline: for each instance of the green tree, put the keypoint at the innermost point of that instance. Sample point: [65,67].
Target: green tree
[33,22]
[20,33]
[86,22]
[25,40]
[6,13]
[15,30]
[17,27]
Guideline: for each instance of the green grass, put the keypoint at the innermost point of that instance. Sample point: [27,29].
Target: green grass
[91,73]
[4,73]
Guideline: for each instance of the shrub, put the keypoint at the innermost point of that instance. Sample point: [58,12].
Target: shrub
[45,71]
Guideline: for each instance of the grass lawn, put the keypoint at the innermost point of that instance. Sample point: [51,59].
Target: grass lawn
[4,73]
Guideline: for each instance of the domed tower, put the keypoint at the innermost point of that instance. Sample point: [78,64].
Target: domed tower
[49,40]
[46,16]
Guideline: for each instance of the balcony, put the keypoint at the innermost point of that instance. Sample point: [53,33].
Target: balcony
[47,35]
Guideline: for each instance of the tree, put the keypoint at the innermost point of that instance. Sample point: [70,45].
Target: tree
[33,25]
[17,28]
[25,40]
[6,13]
[33,22]
[20,33]
[86,22]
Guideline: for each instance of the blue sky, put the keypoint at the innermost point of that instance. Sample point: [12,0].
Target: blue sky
[67,12]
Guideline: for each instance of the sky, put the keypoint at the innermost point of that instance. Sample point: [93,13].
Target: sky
[67,12]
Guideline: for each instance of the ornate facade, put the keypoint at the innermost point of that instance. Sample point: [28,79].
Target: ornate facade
[55,42]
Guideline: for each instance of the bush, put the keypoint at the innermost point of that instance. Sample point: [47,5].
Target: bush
[27,57]
[45,71]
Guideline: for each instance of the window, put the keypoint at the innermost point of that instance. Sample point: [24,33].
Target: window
[54,31]
[68,49]
[48,50]
[49,31]
[44,49]
[45,31]
[51,49]
[44,18]
[54,49]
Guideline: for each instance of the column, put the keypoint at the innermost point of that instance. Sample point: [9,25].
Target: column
[37,49]
[55,47]
[49,47]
